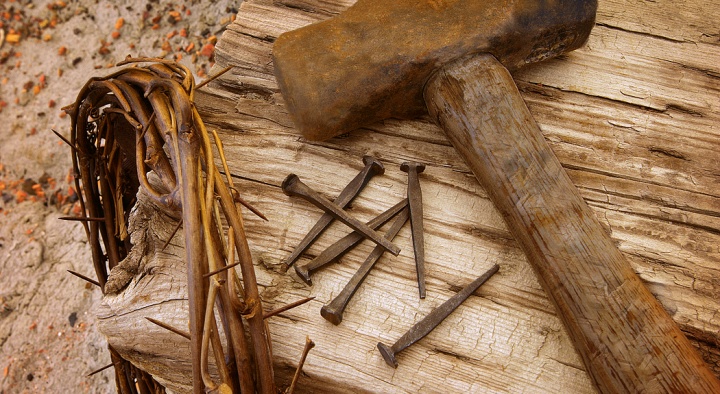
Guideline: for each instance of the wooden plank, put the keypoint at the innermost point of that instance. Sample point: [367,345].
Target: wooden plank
[633,117]
[684,20]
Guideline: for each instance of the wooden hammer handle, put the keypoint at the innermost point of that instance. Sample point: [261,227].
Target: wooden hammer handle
[626,339]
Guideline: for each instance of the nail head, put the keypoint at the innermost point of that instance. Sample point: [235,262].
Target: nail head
[331,315]
[387,354]
[408,165]
[377,167]
[288,183]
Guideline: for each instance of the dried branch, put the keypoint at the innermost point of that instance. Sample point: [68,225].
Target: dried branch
[138,129]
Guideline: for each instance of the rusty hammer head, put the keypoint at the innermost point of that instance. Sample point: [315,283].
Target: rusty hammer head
[371,62]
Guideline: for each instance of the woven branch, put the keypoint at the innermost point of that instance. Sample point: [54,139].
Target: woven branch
[137,132]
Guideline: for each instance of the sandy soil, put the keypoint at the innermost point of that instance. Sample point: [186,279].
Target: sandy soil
[48,50]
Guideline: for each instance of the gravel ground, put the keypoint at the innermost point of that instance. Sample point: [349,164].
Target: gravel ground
[48,50]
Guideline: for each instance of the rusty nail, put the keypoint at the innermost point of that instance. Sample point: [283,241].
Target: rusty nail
[345,244]
[429,322]
[333,311]
[372,167]
[414,195]
[293,186]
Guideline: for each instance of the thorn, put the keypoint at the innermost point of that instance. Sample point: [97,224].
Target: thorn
[309,344]
[286,307]
[219,270]
[81,219]
[213,77]
[65,140]
[172,235]
[170,328]
[145,129]
[81,276]
[100,369]
[237,198]
[235,193]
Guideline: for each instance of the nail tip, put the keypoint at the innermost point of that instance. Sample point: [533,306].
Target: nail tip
[394,249]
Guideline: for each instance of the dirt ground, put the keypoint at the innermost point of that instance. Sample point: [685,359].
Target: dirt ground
[48,50]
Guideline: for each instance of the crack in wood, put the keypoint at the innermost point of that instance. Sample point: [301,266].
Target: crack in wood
[641,33]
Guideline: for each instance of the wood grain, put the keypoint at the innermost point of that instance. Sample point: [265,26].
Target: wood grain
[632,117]
[627,341]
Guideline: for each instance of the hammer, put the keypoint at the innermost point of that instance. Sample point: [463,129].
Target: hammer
[449,58]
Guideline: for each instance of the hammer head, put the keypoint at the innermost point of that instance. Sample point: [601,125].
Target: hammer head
[372,61]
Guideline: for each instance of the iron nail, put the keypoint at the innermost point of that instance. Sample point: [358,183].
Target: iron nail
[414,195]
[372,167]
[293,186]
[333,311]
[432,320]
[345,244]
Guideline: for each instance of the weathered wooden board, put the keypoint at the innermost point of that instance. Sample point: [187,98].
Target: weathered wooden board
[633,117]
